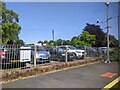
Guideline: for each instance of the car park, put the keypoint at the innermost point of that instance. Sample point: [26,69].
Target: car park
[79,53]
[41,54]
[58,54]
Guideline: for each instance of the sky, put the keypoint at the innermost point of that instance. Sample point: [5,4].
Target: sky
[67,19]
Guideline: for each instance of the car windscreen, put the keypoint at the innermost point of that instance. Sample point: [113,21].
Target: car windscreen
[71,47]
[60,50]
[80,47]
[40,48]
[1,48]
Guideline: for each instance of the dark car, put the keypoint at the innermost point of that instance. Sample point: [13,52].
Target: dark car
[41,54]
[58,54]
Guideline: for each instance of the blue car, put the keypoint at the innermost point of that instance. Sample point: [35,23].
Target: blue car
[41,55]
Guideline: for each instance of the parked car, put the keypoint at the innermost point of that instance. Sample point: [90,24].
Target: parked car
[77,52]
[90,52]
[58,54]
[41,55]
[2,54]
[102,49]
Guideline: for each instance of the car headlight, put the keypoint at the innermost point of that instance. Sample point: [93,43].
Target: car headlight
[63,54]
[49,54]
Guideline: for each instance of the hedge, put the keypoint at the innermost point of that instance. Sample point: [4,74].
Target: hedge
[11,75]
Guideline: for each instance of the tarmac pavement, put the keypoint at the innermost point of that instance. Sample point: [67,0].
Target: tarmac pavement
[88,76]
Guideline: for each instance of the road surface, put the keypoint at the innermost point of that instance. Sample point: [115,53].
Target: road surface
[81,77]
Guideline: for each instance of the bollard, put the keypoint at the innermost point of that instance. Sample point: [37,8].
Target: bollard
[35,49]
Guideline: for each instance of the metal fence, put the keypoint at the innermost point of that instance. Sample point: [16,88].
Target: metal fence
[19,57]
[102,53]
[12,56]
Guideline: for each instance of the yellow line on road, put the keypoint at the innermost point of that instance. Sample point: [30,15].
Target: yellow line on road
[110,85]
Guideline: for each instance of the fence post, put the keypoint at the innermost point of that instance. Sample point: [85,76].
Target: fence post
[66,55]
[35,49]
[85,52]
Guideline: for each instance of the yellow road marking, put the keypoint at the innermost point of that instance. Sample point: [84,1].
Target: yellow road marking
[110,85]
[15,61]
[49,72]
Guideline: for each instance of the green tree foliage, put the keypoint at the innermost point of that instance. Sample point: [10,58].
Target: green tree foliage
[50,42]
[87,39]
[40,42]
[113,41]
[58,42]
[20,42]
[97,31]
[101,37]
[30,44]
[74,40]
[66,42]
[83,39]
[46,42]
[10,28]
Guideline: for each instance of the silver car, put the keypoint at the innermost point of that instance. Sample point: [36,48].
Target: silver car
[41,55]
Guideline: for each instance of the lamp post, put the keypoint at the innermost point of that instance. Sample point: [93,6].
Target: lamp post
[119,27]
[107,27]
[53,37]
[108,59]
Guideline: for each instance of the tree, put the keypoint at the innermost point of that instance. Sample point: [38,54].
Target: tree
[83,39]
[40,42]
[97,31]
[20,42]
[10,28]
[101,37]
[50,42]
[32,44]
[58,42]
[11,42]
[46,42]
[113,41]
[74,40]
[66,42]
[87,39]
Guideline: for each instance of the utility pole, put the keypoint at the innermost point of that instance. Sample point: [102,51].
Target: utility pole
[108,59]
[119,27]
[53,37]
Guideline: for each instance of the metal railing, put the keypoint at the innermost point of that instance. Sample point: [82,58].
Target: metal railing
[12,56]
[16,57]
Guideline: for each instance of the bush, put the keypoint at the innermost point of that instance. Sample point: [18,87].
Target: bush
[114,54]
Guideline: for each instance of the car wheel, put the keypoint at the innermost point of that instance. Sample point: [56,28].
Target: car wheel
[75,56]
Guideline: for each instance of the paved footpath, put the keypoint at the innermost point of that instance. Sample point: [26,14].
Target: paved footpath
[81,77]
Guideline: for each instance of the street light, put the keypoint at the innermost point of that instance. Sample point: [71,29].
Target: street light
[108,59]
[107,27]
[53,37]
[119,26]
